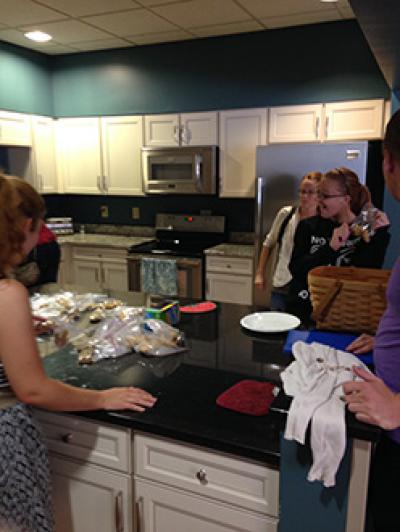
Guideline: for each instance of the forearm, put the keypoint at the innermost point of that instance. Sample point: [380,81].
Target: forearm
[55,395]
[262,261]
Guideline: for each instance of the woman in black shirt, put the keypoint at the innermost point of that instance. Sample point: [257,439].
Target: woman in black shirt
[327,239]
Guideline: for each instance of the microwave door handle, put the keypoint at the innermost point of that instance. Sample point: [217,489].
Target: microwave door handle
[198,159]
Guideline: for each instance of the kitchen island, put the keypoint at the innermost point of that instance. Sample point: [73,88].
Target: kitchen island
[186,417]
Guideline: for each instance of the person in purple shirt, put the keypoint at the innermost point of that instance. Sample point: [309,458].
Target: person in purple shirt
[376,399]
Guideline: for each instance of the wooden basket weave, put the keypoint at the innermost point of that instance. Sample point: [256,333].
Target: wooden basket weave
[348,299]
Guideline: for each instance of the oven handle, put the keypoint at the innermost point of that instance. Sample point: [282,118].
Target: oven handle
[198,159]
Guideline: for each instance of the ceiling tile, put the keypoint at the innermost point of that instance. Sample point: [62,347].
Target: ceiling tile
[70,31]
[263,8]
[80,8]
[202,13]
[346,12]
[18,12]
[151,3]
[300,19]
[227,29]
[165,36]
[138,21]
[54,49]
[101,44]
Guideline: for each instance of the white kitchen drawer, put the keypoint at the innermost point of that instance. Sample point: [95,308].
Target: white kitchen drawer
[229,288]
[230,265]
[83,252]
[86,440]
[218,476]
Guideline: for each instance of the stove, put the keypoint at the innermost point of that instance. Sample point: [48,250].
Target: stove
[181,238]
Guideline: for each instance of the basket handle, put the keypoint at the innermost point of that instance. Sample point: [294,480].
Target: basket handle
[320,312]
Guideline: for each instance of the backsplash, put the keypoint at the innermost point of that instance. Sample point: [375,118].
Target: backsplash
[86,209]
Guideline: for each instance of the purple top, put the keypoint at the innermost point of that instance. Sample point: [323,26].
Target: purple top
[387,340]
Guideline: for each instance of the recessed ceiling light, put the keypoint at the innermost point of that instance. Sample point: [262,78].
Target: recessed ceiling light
[38,36]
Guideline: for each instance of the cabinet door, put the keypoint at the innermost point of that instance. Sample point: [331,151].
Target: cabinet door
[114,274]
[15,129]
[90,498]
[122,140]
[295,123]
[163,509]
[199,129]
[87,272]
[240,132]
[358,120]
[44,154]
[161,130]
[79,150]
[229,288]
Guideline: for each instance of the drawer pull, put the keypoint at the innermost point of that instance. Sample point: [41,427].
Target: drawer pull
[119,516]
[201,475]
[66,438]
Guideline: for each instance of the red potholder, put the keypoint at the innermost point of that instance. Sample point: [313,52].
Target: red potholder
[248,397]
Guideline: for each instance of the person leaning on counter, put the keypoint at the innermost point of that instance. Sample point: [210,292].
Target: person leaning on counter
[25,495]
[376,399]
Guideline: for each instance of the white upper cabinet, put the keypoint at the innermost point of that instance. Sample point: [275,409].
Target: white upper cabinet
[43,155]
[358,120]
[295,123]
[187,129]
[240,132]
[122,140]
[354,120]
[78,142]
[100,155]
[15,129]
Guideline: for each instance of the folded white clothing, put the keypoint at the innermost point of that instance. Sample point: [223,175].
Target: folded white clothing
[314,380]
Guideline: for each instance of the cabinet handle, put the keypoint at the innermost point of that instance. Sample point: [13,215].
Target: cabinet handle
[67,438]
[176,134]
[139,514]
[317,127]
[326,127]
[119,515]
[201,475]
[99,183]
[105,183]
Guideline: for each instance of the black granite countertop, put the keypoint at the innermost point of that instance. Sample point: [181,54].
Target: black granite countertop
[220,354]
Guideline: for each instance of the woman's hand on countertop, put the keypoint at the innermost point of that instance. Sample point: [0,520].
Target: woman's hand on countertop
[127,398]
[372,401]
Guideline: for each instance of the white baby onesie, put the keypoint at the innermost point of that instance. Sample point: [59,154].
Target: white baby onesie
[315,381]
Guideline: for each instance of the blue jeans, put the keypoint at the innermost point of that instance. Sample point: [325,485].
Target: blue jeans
[278,301]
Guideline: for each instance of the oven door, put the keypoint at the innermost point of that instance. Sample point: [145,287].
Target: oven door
[189,272]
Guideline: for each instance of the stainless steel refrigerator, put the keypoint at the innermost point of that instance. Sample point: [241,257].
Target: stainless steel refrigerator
[280,167]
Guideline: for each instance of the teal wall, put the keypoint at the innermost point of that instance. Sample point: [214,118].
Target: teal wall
[25,81]
[317,63]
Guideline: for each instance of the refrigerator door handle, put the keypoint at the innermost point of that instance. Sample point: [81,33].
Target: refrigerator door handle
[317,127]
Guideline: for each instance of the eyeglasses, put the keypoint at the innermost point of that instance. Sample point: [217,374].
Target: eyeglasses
[323,196]
[307,192]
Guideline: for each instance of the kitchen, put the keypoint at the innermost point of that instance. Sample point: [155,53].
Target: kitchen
[226,75]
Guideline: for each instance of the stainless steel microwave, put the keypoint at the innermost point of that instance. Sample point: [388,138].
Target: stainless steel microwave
[184,170]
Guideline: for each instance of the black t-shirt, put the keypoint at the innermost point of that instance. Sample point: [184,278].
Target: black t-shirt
[311,248]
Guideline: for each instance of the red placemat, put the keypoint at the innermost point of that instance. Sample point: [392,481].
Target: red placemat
[204,306]
[248,397]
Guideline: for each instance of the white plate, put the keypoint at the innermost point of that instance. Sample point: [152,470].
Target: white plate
[270,321]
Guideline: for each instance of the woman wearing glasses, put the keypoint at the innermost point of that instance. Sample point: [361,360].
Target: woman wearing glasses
[327,239]
[280,238]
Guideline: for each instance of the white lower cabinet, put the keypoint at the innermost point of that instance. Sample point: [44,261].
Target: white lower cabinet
[91,474]
[99,268]
[229,279]
[88,498]
[162,509]
[181,488]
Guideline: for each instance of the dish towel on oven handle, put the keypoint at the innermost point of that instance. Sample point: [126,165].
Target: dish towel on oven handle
[159,276]
[314,380]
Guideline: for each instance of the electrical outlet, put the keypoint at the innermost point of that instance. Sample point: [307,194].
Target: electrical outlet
[135,213]
[104,211]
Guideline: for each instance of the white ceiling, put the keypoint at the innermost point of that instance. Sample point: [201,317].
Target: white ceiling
[83,25]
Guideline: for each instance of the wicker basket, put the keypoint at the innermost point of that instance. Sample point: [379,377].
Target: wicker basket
[348,299]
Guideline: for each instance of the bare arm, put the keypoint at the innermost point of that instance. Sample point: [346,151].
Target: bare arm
[372,401]
[259,279]
[25,372]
